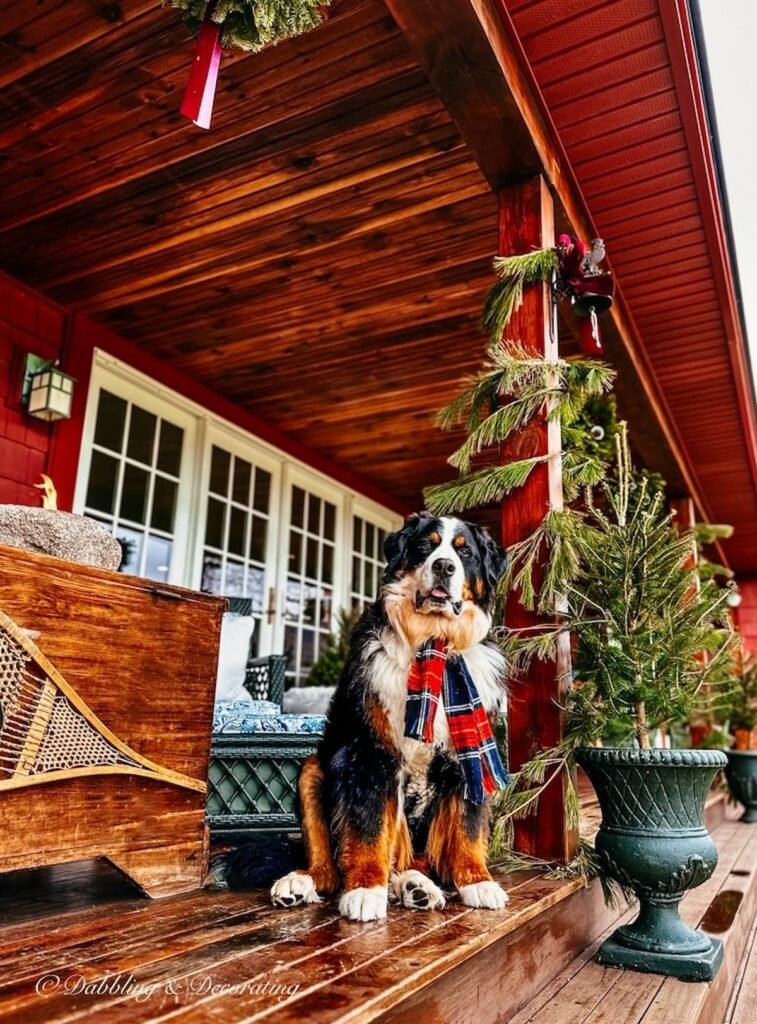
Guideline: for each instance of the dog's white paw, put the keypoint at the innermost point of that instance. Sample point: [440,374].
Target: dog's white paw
[415,890]
[486,895]
[364,904]
[294,889]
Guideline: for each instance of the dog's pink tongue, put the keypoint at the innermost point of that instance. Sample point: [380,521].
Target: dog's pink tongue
[438,592]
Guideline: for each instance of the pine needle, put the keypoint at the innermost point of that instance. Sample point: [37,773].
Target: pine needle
[481,488]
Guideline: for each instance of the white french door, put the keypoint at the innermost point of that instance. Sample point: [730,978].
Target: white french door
[134,475]
[311,570]
[239,528]
[197,502]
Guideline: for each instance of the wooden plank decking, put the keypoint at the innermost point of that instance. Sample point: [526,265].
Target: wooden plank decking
[178,956]
[79,945]
[587,993]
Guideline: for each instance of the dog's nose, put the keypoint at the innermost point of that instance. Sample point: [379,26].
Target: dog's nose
[444,568]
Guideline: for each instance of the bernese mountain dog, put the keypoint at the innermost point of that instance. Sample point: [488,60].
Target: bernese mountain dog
[386,816]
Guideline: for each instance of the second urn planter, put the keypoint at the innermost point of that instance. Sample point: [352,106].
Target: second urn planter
[741,773]
[652,839]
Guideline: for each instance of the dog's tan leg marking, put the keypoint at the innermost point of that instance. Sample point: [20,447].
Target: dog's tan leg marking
[365,868]
[321,874]
[321,866]
[461,859]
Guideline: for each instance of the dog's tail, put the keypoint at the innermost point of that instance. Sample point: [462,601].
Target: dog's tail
[257,863]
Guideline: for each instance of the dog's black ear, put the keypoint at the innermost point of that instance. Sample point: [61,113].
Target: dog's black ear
[493,558]
[396,545]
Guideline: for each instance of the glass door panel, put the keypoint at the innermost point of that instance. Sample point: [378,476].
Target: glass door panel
[239,547]
[133,483]
[310,582]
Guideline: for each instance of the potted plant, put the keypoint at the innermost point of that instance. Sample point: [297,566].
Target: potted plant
[741,771]
[624,581]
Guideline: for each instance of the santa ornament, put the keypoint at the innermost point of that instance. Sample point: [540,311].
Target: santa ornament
[588,289]
[572,270]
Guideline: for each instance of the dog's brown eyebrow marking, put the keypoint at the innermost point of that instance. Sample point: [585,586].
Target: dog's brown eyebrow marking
[435,537]
[459,541]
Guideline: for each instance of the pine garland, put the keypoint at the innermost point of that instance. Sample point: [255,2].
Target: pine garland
[505,297]
[253,24]
[530,387]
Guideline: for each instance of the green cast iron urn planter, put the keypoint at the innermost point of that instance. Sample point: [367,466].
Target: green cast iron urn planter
[652,839]
[741,773]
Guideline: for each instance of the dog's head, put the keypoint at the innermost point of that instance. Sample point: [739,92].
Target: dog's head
[444,568]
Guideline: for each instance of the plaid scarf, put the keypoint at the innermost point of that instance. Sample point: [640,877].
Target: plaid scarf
[433,676]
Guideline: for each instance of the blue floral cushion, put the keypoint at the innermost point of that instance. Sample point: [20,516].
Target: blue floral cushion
[262,716]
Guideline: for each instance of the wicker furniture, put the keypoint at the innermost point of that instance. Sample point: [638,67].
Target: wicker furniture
[255,761]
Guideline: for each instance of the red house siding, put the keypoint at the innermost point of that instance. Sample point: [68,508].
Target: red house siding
[746,616]
[28,323]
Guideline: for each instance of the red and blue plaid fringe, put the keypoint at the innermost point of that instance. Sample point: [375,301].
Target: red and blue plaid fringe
[434,676]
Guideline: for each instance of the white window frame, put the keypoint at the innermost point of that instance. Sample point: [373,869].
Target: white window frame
[320,486]
[379,517]
[223,436]
[107,378]
[202,430]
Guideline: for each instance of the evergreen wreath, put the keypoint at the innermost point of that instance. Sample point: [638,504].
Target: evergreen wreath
[253,24]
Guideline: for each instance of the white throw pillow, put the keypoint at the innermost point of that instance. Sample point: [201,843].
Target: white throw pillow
[236,633]
[307,700]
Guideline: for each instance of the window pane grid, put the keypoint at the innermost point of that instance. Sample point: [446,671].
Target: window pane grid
[309,587]
[130,496]
[367,562]
[234,556]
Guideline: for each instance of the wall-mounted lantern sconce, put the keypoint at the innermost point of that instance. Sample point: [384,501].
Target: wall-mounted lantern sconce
[48,392]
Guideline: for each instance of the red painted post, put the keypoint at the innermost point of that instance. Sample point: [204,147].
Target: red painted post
[535,721]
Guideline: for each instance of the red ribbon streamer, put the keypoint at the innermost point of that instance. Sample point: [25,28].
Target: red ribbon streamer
[200,92]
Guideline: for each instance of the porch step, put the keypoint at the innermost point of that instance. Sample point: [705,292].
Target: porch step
[725,906]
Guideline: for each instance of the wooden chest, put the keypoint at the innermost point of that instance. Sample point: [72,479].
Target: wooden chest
[142,658]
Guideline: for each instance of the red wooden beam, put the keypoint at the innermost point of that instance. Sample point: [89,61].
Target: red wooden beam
[535,721]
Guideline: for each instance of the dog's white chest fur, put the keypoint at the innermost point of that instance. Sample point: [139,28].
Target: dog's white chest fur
[391,666]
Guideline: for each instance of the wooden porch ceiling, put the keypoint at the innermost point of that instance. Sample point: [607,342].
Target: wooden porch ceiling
[320,256]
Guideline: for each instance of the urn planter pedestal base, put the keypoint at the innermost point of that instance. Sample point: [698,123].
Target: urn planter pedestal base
[701,966]
[652,840]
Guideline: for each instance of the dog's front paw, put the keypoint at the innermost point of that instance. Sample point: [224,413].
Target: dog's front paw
[486,895]
[293,889]
[364,904]
[415,890]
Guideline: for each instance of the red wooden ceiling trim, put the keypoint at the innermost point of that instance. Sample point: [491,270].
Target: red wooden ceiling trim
[562,176]
[679,36]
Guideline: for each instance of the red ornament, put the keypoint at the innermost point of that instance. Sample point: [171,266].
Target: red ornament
[200,92]
[589,289]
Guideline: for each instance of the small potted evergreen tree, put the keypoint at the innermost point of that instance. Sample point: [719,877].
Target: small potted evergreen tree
[626,586]
[641,624]
[741,771]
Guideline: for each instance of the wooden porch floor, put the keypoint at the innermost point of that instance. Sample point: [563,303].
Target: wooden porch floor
[79,945]
[725,906]
[180,955]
